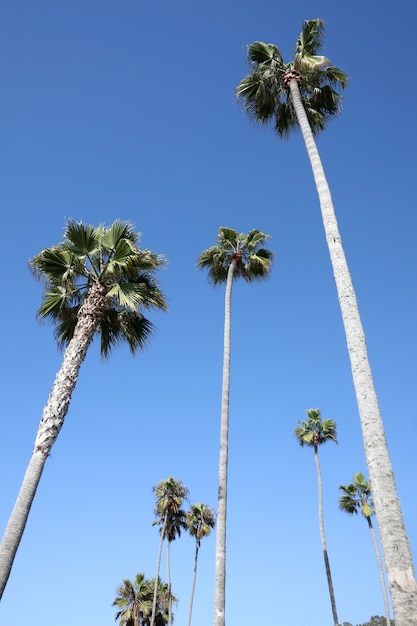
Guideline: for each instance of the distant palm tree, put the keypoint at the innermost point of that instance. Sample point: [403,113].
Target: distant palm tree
[235,255]
[169,494]
[200,520]
[314,432]
[302,95]
[357,496]
[97,282]
[135,602]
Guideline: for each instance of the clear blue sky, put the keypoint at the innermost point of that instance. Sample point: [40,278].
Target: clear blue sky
[125,110]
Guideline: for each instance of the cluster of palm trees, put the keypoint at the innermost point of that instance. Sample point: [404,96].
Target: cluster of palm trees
[99,282]
[356,496]
[149,602]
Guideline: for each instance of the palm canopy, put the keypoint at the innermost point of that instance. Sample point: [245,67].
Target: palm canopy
[315,431]
[109,260]
[252,260]
[357,496]
[200,520]
[134,600]
[265,94]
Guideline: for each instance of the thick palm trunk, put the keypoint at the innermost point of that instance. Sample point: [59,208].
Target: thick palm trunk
[381,572]
[194,581]
[50,425]
[220,574]
[323,539]
[158,567]
[394,540]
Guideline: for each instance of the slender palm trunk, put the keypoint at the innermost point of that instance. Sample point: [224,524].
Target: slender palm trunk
[52,420]
[394,539]
[169,582]
[158,567]
[323,538]
[197,545]
[220,574]
[381,572]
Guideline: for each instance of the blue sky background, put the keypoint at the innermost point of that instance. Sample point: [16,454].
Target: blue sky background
[125,110]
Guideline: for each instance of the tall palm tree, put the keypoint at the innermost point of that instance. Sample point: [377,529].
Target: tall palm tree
[135,602]
[97,282]
[357,496]
[235,255]
[303,94]
[169,494]
[200,520]
[314,432]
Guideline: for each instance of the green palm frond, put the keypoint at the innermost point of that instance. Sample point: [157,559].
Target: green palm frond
[264,93]
[315,431]
[108,260]
[252,261]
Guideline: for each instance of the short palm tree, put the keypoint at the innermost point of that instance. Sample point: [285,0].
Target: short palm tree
[135,602]
[235,255]
[200,521]
[357,496]
[97,282]
[314,432]
[303,94]
[169,494]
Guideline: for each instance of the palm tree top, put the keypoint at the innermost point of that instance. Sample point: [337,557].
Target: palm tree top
[264,93]
[109,260]
[253,262]
[314,431]
[357,496]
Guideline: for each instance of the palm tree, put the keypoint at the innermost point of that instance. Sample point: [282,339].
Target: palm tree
[235,255]
[314,432]
[200,520]
[357,496]
[303,94]
[135,602]
[97,281]
[169,494]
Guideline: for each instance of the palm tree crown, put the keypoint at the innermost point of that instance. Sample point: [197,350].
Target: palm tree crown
[200,521]
[106,261]
[315,431]
[134,600]
[265,91]
[252,260]
[357,496]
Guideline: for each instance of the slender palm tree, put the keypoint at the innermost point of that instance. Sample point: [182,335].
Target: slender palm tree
[357,496]
[97,282]
[303,94]
[135,602]
[169,494]
[314,432]
[235,255]
[200,520]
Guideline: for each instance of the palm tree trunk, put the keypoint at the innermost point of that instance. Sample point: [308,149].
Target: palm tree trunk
[394,539]
[323,538]
[194,580]
[381,572]
[52,420]
[158,567]
[220,574]
[169,583]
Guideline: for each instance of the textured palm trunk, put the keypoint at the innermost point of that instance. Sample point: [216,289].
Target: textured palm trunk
[50,425]
[197,545]
[158,567]
[220,574]
[394,539]
[323,538]
[381,572]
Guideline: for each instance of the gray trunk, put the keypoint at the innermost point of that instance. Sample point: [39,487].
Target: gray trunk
[323,539]
[220,574]
[194,580]
[394,539]
[158,567]
[381,571]
[50,425]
